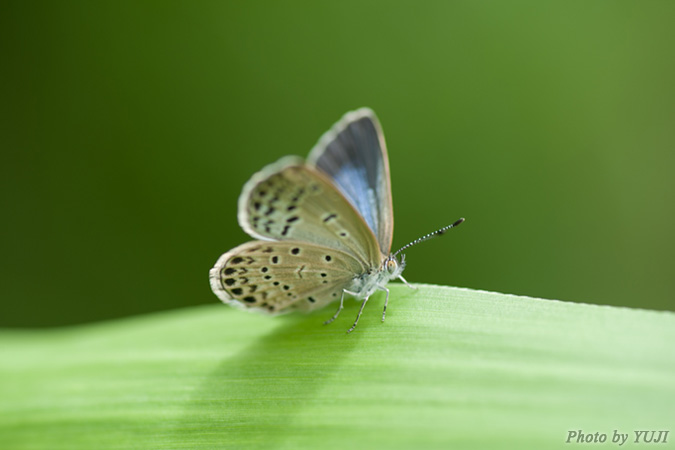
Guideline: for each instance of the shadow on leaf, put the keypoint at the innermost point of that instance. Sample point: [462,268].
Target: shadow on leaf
[258,392]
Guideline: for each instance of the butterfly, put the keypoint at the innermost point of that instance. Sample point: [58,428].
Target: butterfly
[324,227]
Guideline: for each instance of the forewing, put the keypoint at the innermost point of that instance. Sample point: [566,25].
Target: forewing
[277,277]
[354,155]
[290,200]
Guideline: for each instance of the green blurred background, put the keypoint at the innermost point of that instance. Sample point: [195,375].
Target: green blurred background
[129,128]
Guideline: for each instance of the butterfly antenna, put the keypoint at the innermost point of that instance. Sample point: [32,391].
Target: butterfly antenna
[429,236]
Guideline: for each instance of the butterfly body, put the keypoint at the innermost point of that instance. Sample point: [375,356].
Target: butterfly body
[368,282]
[323,227]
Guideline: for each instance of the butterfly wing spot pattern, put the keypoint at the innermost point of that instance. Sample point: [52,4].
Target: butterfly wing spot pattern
[324,227]
[290,200]
[274,276]
[275,202]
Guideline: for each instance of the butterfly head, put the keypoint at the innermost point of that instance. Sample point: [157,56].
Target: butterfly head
[393,266]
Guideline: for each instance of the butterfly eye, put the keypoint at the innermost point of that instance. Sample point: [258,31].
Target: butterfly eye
[392,265]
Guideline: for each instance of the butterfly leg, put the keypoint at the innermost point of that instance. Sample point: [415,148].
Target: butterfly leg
[358,316]
[407,284]
[386,300]
[337,313]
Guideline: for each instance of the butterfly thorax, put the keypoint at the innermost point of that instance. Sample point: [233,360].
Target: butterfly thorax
[367,283]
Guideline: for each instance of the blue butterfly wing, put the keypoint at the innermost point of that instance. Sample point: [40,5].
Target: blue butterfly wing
[353,154]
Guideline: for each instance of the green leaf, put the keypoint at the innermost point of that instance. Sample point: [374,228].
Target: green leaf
[450,368]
